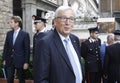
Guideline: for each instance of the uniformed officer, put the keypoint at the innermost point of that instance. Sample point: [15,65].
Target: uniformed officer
[40,24]
[90,51]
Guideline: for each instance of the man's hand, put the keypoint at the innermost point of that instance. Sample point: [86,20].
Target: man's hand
[25,66]
[4,62]
[105,76]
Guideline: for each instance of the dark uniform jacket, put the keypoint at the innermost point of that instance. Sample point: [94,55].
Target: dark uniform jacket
[112,62]
[90,51]
[36,38]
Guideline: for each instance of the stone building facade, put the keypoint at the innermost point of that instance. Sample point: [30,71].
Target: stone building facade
[6,11]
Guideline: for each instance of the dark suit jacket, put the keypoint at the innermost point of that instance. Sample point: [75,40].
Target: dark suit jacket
[19,53]
[53,65]
[112,62]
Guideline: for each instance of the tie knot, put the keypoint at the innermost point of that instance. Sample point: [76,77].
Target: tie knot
[66,40]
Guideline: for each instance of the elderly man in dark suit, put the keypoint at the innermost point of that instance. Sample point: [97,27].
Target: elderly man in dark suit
[112,60]
[58,53]
[90,50]
[16,51]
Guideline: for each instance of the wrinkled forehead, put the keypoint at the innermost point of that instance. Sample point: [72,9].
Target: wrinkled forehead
[63,9]
[66,12]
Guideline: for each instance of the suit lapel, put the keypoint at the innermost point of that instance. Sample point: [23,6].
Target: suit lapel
[61,49]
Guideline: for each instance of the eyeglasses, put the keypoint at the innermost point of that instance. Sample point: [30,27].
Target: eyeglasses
[63,19]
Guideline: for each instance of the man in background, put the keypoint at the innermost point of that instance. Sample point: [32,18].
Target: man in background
[110,41]
[33,19]
[16,51]
[90,51]
[112,60]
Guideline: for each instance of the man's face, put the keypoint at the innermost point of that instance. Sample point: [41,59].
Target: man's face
[12,24]
[94,35]
[64,22]
[39,26]
[110,40]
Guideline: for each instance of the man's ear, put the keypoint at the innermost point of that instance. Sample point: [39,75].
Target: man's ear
[54,22]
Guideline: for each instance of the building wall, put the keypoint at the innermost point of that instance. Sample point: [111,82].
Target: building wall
[107,6]
[5,14]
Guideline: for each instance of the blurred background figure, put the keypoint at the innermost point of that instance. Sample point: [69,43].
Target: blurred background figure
[112,60]
[110,41]
[33,19]
[39,25]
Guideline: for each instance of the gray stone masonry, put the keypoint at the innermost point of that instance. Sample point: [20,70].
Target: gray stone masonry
[5,14]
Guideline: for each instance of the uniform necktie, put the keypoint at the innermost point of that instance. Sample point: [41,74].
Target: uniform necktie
[72,61]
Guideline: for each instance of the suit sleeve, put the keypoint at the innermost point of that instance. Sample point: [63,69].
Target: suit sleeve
[83,50]
[27,47]
[41,64]
[5,50]
[106,62]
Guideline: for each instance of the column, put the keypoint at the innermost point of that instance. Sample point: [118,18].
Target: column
[29,9]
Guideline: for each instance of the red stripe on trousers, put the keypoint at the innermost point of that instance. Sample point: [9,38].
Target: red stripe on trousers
[88,76]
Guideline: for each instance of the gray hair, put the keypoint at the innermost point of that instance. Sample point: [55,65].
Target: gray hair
[62,8]
[117,37]
[110,36]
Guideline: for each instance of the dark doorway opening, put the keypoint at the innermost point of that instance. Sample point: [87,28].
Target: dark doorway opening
[39,12]
[17,8]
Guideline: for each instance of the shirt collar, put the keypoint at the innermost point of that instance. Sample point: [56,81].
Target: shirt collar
[92,40]
[62,37]
[43,30]
[17,30]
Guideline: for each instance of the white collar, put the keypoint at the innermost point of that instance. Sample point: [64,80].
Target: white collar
[43,30]
[62,37]
[17,30]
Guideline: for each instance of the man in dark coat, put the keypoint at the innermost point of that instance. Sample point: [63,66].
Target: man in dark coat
[16,51]
[54,62]
[112,60]
[110,41]
[90,50]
